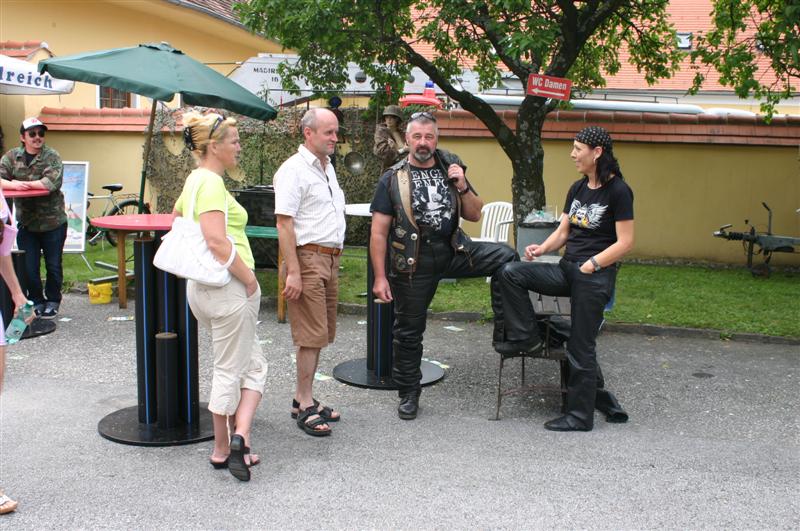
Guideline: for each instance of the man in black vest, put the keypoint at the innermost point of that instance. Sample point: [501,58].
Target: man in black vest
[415,216]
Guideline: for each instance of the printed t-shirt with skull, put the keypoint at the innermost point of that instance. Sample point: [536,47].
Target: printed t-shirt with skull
[592,216]
[432,203]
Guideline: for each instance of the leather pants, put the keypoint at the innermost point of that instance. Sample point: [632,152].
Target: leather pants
[589,295]
[413,294]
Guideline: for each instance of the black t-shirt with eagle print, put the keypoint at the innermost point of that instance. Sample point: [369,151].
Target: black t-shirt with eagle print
[592,216]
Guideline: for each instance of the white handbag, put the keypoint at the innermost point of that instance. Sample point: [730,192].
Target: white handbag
[184,252]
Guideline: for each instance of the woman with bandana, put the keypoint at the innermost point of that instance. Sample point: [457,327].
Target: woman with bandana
[597,230]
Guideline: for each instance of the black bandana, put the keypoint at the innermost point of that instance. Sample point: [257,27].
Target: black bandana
[594,136]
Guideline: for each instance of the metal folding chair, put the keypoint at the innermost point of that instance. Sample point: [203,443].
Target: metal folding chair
[548,310]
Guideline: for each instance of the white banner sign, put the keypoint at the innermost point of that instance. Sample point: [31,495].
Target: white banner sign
[22,78]
[260,76]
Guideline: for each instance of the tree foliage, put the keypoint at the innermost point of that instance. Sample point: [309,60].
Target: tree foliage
[743,32]
[580,40]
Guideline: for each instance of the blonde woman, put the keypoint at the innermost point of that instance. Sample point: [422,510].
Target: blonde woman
[7,505]
[230,312]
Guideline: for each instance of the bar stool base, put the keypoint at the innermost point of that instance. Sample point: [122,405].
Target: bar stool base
[39,327]
[123,427]
[355,372]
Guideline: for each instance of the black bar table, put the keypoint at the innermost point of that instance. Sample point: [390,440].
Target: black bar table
[375,371]
[165,325]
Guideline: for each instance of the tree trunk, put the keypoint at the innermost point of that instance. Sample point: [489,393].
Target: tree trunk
[527,183]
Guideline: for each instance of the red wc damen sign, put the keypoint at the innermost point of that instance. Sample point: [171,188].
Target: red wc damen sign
[549,87]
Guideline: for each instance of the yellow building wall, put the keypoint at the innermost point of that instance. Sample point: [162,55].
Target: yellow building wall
[76,26]
[682,192]
[120,163]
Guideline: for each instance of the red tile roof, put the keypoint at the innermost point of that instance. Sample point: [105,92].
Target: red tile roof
[623,125]
[688,16]
[22,50]
[119,120]
[629,126]
[221,9]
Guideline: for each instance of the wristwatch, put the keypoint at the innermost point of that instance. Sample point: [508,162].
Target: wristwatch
[595,264]
[464,191]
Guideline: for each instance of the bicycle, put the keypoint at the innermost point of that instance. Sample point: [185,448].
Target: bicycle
[116,205]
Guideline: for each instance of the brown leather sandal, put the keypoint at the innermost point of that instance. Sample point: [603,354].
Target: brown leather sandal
[312,426]
[325,412]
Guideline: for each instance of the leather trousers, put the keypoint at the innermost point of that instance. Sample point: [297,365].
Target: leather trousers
[413,294]
[589,295]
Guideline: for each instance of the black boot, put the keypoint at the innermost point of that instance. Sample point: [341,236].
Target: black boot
[566,423]
[409,405]
[498,334]
[512,348]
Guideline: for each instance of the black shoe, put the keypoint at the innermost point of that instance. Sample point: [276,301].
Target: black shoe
[616,416]
[50,310]
[566,423]
[409,406]
[236,463]
[509,348]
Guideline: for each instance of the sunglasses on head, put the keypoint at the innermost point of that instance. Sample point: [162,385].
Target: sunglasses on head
[34,132]
[423,114]
[220,119]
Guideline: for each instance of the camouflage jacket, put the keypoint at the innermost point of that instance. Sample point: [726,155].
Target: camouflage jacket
[37,214]
[386,148]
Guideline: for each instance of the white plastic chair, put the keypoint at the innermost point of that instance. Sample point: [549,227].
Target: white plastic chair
[496,217]
[495,220]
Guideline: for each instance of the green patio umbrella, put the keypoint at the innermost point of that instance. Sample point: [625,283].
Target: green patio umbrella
[158,71]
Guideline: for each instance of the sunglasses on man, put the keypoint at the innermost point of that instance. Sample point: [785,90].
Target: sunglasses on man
[34,132]
[423,114]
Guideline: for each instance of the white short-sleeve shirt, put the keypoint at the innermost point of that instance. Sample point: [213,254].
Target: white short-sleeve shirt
[312,197]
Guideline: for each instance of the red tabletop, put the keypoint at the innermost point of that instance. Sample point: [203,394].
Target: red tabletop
[135,222]
[25,193]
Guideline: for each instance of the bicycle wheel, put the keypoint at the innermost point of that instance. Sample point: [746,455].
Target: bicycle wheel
[124,207]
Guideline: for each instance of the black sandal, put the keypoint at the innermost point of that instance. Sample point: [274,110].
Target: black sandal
[236,463]
[310,426]
[326,412]
[248,452]
[219,465]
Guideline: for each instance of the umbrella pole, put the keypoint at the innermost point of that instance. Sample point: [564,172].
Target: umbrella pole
[147,143]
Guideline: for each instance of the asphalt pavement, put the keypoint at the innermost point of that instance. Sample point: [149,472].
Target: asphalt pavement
[712,440]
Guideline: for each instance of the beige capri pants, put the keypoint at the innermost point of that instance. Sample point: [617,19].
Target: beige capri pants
[239,362]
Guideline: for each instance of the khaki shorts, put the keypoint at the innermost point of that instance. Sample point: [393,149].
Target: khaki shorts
[313,316]
[239,362]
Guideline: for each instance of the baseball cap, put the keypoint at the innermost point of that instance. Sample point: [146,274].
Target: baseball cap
[29,123]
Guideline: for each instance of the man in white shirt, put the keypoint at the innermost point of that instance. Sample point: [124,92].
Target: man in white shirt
[309,206]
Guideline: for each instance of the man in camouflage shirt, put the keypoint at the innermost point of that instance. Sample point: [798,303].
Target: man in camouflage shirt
[42,221]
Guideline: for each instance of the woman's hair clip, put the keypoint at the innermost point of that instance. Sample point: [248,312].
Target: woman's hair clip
[187,138]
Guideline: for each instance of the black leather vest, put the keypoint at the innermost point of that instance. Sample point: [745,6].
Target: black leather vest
[404,234]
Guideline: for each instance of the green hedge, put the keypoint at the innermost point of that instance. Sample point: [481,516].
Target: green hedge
[265,145]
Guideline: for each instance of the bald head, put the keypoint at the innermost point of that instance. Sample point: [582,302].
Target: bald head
[320,129]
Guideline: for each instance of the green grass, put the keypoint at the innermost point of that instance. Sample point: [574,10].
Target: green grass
[75,270]
[729,300]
